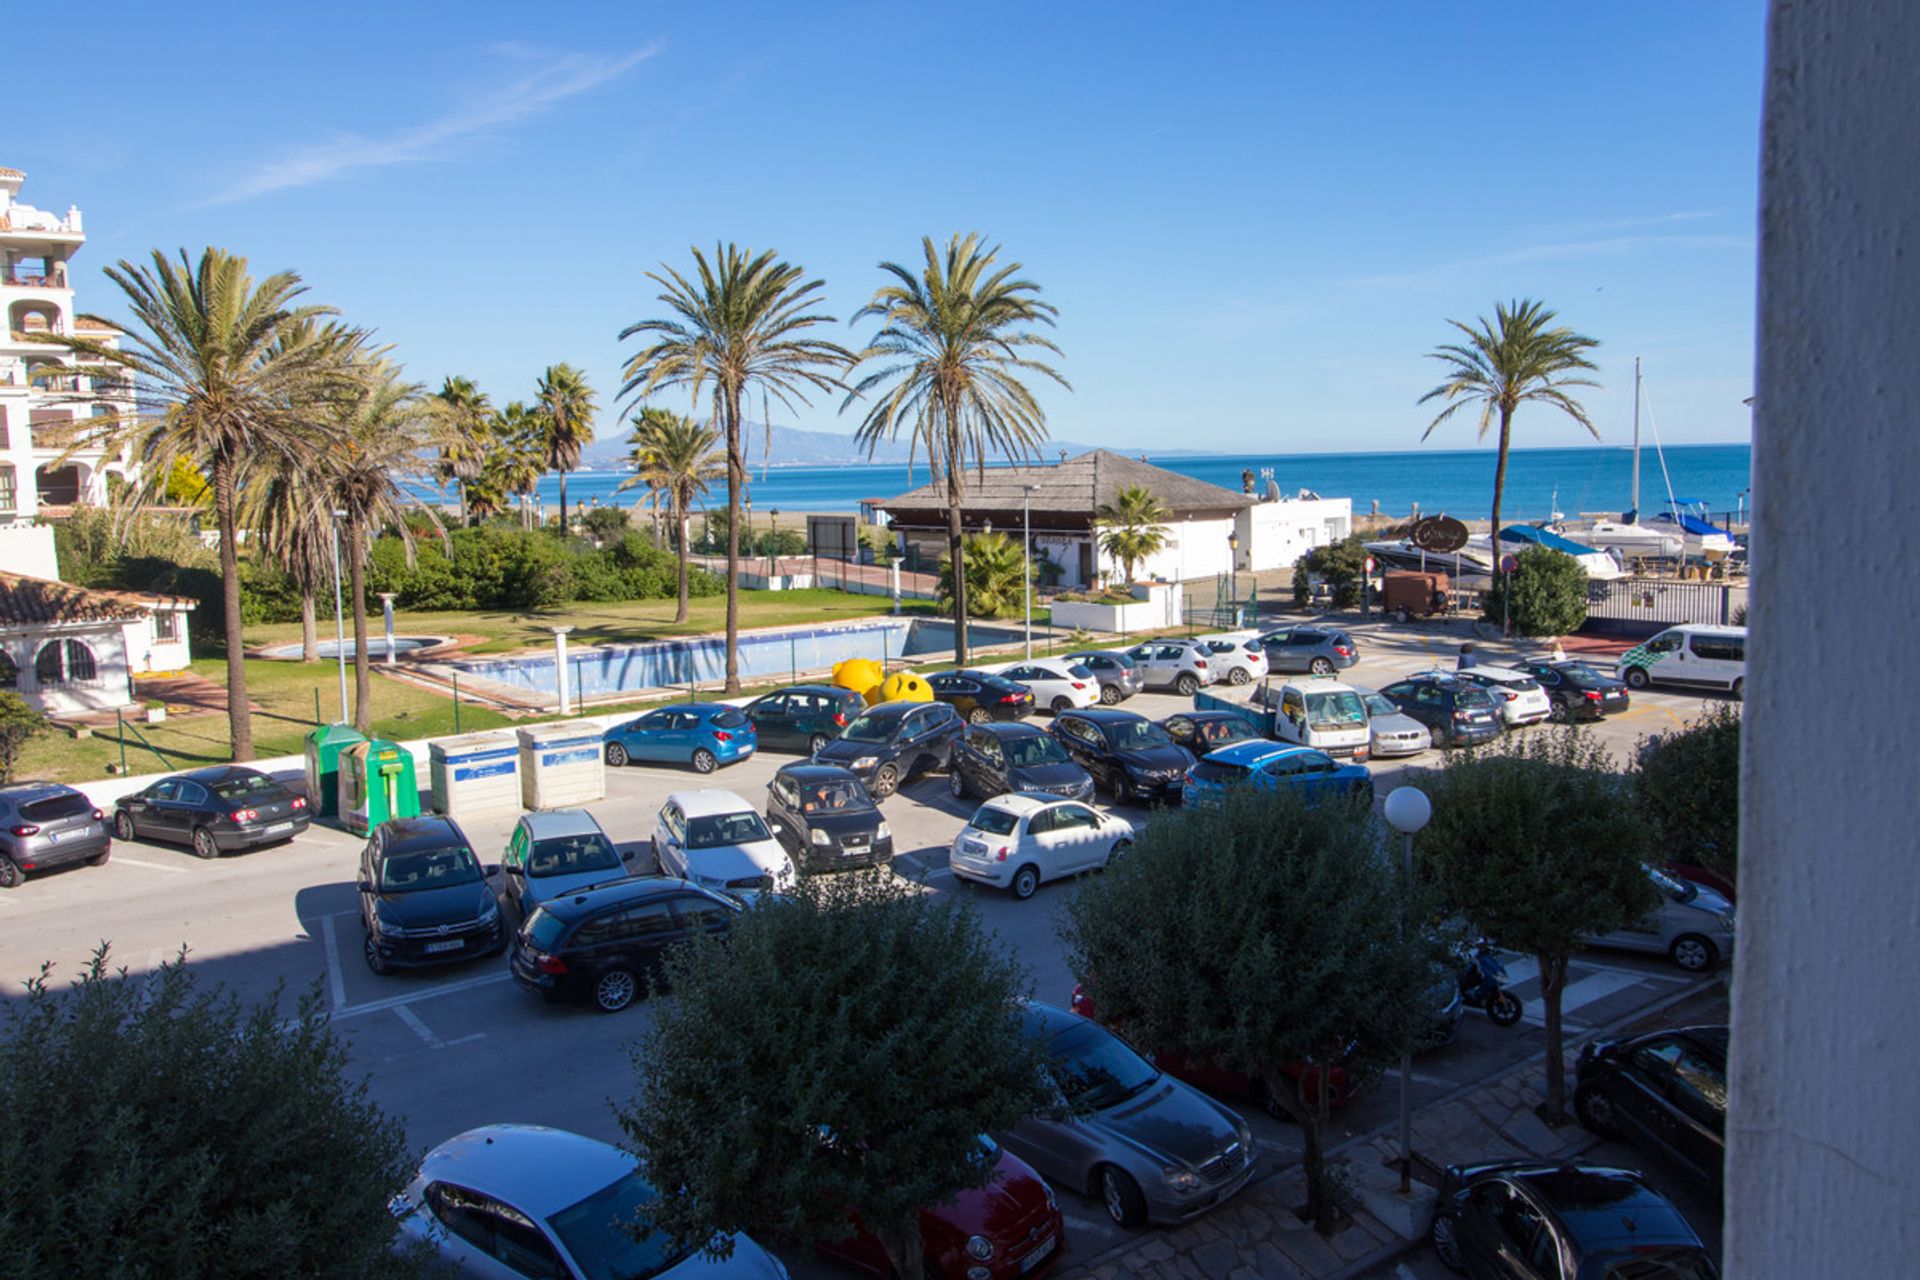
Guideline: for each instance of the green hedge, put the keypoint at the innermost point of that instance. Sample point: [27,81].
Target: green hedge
[495,568]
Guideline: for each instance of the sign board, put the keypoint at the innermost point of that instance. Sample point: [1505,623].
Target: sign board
[1509,564]
[1437,533]
[1369,564]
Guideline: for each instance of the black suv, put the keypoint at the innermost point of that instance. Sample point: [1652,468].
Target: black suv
[1204,731]
[1666,1092]
[805,717]
[1456,712]
[1319,650]
[893,743]
[45,825]
[1533,1218]
[1128,754]
[980,697]
[606,943]
[822,815]
[1580,691]
[992,759]
[424,897]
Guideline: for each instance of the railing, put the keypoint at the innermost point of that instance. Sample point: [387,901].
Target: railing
[1651,603]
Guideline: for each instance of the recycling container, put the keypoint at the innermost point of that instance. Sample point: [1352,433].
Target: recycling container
[561,765]
[376,783]
[324,746]
[475,776]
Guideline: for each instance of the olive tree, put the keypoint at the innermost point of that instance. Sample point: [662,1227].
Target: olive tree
[1538,844]
[1266,938]
[838,1057]
[1688,783]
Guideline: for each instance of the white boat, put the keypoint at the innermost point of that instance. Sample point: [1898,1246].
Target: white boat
[1699,535]
[1630,538]
[1467,569]
[1601,566]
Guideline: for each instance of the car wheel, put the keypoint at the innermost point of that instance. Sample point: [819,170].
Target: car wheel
[1121,1194]
[1559,714]
[1446,1241]
[1239,675]
[10,873]
[1062,704]
[1694,953]
[979,715]
[1737,690]
[1025,882]
[616,755]
[204,845]
[1272,1103]
[1121,848]
[615,990]
[1186,684]
[1122,789]
[100,859]
[1321,667]
[1110,694]
[1402,617]
[886,781]
[818,743]
[123,825]
[956,785]
[1636,678]
[1595,1110]
[370,950]
[704,762]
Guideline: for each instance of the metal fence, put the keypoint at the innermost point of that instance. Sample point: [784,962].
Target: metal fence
[1648,604]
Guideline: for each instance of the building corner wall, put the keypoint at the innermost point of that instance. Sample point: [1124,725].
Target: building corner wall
[1823,1159]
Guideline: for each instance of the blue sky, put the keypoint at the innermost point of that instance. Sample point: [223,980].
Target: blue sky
[1255,220]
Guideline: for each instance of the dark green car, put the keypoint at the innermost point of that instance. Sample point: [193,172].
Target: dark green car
[804,717]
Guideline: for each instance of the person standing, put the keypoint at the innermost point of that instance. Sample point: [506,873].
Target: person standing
[1466,659]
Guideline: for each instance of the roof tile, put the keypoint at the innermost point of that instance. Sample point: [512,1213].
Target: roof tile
[26,601]
[1076,484]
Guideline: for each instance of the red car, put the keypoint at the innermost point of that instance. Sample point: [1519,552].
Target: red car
[1009,1228]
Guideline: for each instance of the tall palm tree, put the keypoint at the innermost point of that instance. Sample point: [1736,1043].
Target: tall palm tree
[675,458]
[220,365]
[287,508]
[1503,365]
[517,459]
[954,341]
[565,404]
[1134,526]
[469,416]
[740,323]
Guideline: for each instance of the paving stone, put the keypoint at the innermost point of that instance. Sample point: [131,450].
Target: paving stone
[1215,1258]
[1532,1133]
[1243,1273]
[1353,1243]
[1307,1251]
[1154,1251]
[1275,1265]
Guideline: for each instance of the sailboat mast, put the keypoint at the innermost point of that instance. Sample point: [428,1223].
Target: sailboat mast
[1636,437]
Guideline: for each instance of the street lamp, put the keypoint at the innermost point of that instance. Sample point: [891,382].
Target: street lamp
[773,547]
[1233,576]
[339,617]
[1407,810]
[1026,567]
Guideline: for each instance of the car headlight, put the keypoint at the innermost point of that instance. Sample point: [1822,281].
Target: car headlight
[490,910]
[1053,1201]
[1726,921]
[883,832]
[819,837]
[1179,1179]
[383,925]
[710,882]
[979,1247]
[1242,1132]
[865,762]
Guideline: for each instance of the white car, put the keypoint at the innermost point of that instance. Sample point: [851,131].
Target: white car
[1693,926]
[1235,656]
[1018,841]
[715,839]
[1057,684]
[1518,695]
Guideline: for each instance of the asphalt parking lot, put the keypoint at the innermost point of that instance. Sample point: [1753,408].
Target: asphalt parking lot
[452,1048]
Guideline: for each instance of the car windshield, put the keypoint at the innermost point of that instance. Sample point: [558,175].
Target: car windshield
[414,870]
[995,822]
[1079,672]
[731,718]
[1473,699]
[571,855]
[1218,771]
[246,787]
[871,729]
[1095,1069]
[54,808]
[1033,750]
[1221,732]
[544,928]
[598,1233]
[1137,735]
[722,829]
[1678,890]
[1379,704]
[1581,672]
[838,795]
[1334,710]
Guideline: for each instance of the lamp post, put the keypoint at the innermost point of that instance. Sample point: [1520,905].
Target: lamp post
[1407,810]
[1026,568]
[1233,578]
[339,618]
[386,615]
[773,547]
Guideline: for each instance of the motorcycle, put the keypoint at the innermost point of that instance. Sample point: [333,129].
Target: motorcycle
[1482,985]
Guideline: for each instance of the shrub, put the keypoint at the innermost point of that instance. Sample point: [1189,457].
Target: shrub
[605,524]
[1341,564]
[1548,590]
[18,725]
[1688,784]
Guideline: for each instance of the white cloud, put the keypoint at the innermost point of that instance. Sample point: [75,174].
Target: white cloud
[1562,251]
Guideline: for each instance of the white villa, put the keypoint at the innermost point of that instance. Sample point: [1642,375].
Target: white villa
[70,650]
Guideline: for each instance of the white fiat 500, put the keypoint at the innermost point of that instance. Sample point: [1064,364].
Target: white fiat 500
[1017,841]
[715,839]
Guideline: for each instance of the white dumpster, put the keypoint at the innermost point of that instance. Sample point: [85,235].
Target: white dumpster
[561,765]
[476,776]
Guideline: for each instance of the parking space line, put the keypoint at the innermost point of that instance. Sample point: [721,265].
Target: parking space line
[478,1035]
[1081,1224]
[1420,1077]
[410,997]
[1578,995]
[419,1028]
[151,866]
[336,983]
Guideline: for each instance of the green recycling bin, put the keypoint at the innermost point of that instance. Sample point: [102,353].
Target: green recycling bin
[376,783]
[324,746]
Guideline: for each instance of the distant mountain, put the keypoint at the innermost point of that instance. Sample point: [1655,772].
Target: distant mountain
[793,447]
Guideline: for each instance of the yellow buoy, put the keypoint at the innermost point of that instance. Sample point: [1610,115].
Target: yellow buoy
[862,675]
[901,686]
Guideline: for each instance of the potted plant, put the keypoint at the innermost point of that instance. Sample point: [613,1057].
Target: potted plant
[156,712]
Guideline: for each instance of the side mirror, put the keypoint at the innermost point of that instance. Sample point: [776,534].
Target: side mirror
[515,871]
[777,828]
[365,885]
[491,870]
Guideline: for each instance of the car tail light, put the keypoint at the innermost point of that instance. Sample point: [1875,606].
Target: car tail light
[550,964]
[1200,663]
[1592,695]
[246,815]
[1012,697]
[99,816]
[1079,684]
[1510,697]
[299,802]
[721,735]
[25,829]
[840,719]
[1345,651]
[1001,853]
[29,866]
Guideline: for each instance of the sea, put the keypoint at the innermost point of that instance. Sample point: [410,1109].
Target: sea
[1458,482]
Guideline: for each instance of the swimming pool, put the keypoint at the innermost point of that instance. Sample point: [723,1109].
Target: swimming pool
[376,647]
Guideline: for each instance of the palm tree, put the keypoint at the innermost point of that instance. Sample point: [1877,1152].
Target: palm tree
[517,458]
[675,458]
[221,365]
[470,417]
[955,341]
[996,575]
[1505,364]
[739,324]
[486,496]
[565,406]
[288,510]
[1135,525]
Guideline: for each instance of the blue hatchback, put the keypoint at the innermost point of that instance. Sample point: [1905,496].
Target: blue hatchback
[1269,766]
[705,735]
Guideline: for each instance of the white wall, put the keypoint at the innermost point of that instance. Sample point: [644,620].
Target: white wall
[147,654]
[1275,534]
[1195,549]
[1823,1157]
[28,549]
[107,690]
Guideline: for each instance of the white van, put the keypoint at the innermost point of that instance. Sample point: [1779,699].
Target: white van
[1324,714]
[1690,654]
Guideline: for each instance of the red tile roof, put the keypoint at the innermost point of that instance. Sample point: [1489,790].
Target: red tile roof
[28,601]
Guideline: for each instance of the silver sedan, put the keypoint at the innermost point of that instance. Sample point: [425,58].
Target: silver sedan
[1395,733]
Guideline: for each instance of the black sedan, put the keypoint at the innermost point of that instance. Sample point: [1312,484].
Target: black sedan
[895,742]
[980,696]
[1562,1222]
[1666,1092]
[1204,731]
[605,944]
[824,817]
[1128,754]
[992,759]
[215,810]
[1580,690]
[424,897]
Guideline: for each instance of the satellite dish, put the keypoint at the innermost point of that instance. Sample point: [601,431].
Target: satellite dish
[1437,533]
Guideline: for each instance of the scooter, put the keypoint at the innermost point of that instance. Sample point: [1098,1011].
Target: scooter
[1482,981]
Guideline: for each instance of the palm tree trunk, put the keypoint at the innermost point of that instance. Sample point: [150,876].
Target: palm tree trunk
[563,504]
[680,523]
[239,718]
[460,488]
[956,555]
[736,481]
[309,633]
[362,673]
[1499,491]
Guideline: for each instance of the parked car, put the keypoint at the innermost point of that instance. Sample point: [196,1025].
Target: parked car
[1456,712]
[1665,1092]
[1521,1218]
[1148,1147]
[1237,657]
[1009,1228]
[1688,655]
[1057,683]
[44,825]
[1179,665]
[716,840]
[606,944]
[1320,651]
[1314,711]
[216,810]
[1204,731]
[705,735]
[1516,694]
[553,853]
[1693,926]
[825,818]
[980,696]
[424,897]
[1129,755]
[1580,691]
[992,759]
[895,742]
[1017,842]
[1394,732]
[1119,678]
[509,1201]
[1268,766]
[805,717]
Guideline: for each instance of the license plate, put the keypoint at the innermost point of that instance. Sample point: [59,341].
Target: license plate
[973,846]
[451,944]
[854,842]
[279,828]
[1040,1254]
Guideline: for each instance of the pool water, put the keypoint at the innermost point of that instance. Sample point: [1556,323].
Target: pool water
[376,647]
